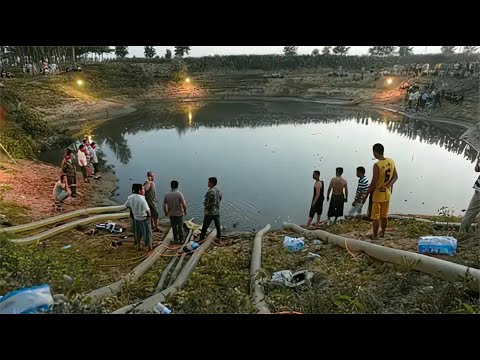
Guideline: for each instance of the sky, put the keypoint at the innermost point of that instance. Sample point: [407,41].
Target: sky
[198,51]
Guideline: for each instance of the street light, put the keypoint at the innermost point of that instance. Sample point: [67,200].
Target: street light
[187,80]
[389,81]
[80,82]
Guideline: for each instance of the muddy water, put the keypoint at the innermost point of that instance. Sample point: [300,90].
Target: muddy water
[263,154]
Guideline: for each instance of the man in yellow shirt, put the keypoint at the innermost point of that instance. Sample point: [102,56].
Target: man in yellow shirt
[384,176]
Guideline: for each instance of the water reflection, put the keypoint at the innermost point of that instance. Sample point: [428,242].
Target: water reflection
[192,116]
[268,180]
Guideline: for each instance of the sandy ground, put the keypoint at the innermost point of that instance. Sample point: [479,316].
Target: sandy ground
[30,184]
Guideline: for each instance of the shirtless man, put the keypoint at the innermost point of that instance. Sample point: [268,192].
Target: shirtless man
[317,201]
[384,176]
[337,185]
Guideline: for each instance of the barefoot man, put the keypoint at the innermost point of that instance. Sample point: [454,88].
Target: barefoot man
[384,176]
[317,202]
[337,185]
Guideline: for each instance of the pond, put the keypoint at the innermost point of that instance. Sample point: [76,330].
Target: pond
[263,154]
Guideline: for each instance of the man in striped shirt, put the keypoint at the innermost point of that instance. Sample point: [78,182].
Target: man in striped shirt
[474,208]
[362,193]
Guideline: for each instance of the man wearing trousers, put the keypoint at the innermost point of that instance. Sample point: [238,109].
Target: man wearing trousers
[211,205]
[175,207]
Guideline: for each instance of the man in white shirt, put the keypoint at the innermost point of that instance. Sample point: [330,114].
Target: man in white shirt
[93,152]
[141,216]
[82,161]
[410,100]
[474,207]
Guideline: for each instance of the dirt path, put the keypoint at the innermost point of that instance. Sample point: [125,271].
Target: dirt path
[30,184]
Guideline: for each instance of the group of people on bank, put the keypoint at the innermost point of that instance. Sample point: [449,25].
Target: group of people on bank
[65,189]
[144,214]
[380,188]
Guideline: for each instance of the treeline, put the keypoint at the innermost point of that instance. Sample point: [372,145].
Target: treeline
[20,55]
[281,62]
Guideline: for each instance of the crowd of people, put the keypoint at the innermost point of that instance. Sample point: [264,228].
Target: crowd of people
[65,190]
[380,188]
[423,98]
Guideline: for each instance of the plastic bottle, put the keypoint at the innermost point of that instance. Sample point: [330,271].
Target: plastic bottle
[159,308]
[191,246]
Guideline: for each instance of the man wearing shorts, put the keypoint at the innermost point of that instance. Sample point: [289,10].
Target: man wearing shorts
[316,206]
[384,176]
[338,185]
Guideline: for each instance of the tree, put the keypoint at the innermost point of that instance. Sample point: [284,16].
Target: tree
[149,52]
[181,50]
[168,54]
[178,70]
[315,52]
[382,50]
[121,51]
[341,50]
[405,50]
[470,49]
[326,50]
[448,50]
[290,50]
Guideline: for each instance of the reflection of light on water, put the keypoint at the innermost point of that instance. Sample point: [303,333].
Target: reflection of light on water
[189,117]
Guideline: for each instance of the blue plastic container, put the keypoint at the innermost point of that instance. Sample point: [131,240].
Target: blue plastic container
[444,245]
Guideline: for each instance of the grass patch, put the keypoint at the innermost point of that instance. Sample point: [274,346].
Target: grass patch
[16,214]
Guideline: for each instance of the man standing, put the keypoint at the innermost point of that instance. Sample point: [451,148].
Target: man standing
[474,206]
[88,154]
[151,197]
[93,152]
[384,176]
[69,169]
[362,192]
[175,207]
[337,185]
[316,206]
[82,161]
[141,213]
[211,205]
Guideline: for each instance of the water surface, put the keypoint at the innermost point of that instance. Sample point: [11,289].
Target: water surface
[263,154]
